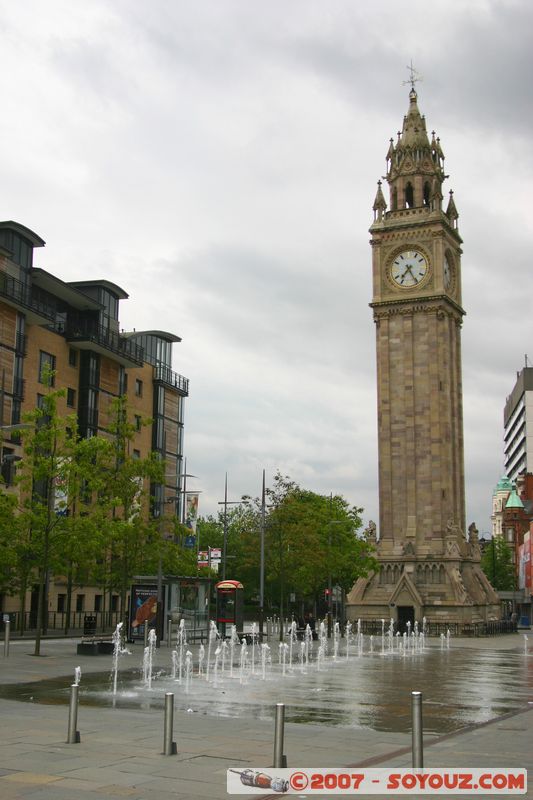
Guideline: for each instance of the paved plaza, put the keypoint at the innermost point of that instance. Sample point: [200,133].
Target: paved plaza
[120,753]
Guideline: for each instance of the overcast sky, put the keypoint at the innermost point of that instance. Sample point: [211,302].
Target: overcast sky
[218,160]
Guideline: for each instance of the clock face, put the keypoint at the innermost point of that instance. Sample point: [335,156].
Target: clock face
[447,273]
[409,268]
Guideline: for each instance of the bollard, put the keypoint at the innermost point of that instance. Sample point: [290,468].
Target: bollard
[169,747]
[73,736]
[418,742]
[169,640]
[7,630]
[146,631]
[280,760]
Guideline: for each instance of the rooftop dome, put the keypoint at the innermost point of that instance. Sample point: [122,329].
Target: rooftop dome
[503,485]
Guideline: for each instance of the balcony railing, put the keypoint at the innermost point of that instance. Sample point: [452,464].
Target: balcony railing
[26,296]
[88,331]
[172,379]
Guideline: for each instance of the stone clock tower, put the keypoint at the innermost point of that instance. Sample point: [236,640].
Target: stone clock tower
[427,566]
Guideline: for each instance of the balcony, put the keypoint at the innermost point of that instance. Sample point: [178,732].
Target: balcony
[88,335]
[29,299]
[172,379]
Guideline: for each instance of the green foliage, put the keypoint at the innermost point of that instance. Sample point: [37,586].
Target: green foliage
[81,507]
[313,539]
[9,541]
[308,539]
[129,536]
[497,564]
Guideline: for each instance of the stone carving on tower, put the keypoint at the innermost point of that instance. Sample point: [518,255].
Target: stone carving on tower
[427,566]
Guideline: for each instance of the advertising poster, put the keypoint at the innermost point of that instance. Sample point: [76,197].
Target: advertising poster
[203,558]
[143,610]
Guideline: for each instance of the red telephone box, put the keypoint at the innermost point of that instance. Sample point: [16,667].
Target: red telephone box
[230,603]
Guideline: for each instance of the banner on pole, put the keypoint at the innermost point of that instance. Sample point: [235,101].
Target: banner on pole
[191,510]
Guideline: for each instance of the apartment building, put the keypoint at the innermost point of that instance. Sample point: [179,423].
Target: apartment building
[73,327]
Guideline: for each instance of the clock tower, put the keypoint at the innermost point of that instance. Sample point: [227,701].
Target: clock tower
[427,565]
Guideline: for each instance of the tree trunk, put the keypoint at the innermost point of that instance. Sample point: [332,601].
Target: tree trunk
[42,578]
[43,574]
[22,607]
[69,599]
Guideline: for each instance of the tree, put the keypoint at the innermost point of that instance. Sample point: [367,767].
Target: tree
[51,478]
[129,531]
[310,539]
[8,541]
[498,565]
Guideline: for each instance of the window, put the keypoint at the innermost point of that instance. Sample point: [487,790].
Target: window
[80,602]
[16,408]
[47,365]
[98,602]
[138,387]
[71,398]
[73,357]
[61,598]
[122,381]
[138,422]
[114,602]
[136,454]
[40,401]
[9,460]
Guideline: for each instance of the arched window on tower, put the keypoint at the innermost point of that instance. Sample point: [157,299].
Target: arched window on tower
[427,193]
[409,196]
[394,199]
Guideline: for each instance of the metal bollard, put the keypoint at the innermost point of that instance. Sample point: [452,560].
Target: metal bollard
[73,736]
[280,760]
[169,747]
[146,631]
[169,627]
[7,633]
[418,742]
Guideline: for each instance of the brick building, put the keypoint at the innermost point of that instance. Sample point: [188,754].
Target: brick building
[73,327]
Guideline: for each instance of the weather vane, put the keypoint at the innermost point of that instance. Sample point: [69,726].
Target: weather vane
[414,76]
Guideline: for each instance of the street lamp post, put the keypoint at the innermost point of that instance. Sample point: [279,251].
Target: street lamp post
[226,503]
[330,578]
[262,562]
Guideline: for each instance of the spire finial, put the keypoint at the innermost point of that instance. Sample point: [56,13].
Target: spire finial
[414,76]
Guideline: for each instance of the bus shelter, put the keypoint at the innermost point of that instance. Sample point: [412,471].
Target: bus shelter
[182,598]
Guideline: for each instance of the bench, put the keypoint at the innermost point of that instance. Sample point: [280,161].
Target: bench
[96,645]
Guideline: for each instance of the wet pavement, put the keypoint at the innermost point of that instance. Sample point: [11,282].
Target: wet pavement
[477,712]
